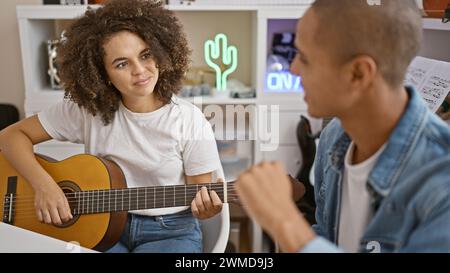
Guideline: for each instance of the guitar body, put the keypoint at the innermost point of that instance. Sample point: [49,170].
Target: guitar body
[78,173]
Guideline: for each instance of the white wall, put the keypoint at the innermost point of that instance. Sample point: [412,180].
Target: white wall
[12,87]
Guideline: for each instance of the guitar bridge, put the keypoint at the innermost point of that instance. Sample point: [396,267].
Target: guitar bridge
[8,203]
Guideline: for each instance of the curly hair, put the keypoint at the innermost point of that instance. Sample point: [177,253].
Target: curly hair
[80,54]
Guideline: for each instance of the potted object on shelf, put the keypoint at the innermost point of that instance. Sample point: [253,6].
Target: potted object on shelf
[195,82]
[52,51]
[52,46]
[73,2]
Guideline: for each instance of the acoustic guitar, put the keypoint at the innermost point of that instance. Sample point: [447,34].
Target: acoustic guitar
[98,198]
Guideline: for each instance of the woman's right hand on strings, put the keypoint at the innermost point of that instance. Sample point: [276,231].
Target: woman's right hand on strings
[51,204]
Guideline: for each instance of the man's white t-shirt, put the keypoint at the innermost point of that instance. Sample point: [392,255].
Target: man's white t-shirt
[152,149]
[356,210]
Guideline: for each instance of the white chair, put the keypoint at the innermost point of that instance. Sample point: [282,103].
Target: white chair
[216,231]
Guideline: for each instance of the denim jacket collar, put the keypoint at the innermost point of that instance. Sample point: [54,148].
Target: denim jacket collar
[400,145]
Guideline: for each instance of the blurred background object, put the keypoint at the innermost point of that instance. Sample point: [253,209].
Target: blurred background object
[9,114]
[52,46]
[435,8]
[444,110]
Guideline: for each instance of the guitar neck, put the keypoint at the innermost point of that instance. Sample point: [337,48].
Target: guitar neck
[115,200]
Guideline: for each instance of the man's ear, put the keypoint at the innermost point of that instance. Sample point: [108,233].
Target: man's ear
[363,71]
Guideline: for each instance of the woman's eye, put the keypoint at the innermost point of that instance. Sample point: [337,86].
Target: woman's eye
[121,65]
[146,56]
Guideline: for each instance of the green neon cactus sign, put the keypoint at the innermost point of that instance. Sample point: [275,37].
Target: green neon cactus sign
[213,51]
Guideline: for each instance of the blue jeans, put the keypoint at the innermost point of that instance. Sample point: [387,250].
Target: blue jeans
[179,232]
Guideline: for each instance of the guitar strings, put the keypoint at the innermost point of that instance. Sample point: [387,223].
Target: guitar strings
[127,204]
[178,188]
[96,201]
[32,213]
[139,198]
[85,198]
[88,203]
[118,197]
[97,195]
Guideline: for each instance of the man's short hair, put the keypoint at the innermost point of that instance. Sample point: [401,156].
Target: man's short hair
[390,32]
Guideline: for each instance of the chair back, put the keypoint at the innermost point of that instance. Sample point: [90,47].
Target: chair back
[216,231]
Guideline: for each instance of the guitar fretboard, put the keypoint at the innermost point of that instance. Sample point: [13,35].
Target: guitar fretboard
[100,201]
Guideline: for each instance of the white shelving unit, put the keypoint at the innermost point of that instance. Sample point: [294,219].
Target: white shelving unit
[435,24]
[436,39]
[250,27]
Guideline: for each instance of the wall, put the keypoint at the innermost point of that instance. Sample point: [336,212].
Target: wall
[12,87]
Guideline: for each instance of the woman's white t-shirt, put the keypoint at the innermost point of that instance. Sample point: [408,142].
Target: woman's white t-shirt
[153,149]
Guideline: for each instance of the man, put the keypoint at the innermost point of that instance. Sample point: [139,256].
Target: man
[383,166]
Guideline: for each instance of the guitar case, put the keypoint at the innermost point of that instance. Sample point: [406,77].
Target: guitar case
[306,141]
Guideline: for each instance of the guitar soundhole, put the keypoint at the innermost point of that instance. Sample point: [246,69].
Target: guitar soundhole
[69,188]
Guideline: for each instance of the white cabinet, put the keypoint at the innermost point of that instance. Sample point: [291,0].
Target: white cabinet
[436,43]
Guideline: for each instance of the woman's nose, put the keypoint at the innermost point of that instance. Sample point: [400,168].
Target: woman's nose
[138,69]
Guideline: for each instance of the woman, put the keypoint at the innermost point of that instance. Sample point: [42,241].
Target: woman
[121,66]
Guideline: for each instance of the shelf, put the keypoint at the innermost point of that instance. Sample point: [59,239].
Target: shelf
[435,24]
[48,93]
[232,7]
[51,11]
[70,12]
[212,8]
[37,101]
[222,101]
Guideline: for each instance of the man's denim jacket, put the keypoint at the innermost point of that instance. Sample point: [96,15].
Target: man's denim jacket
[409,186]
